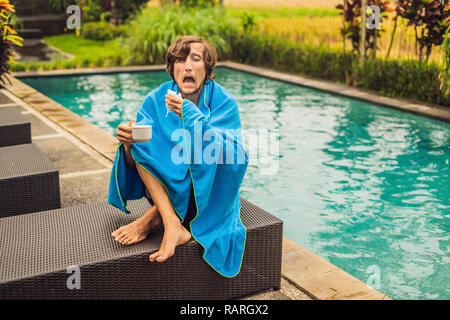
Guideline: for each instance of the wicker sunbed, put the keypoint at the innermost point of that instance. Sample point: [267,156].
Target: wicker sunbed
[15,128]
[29,182]
[38,249]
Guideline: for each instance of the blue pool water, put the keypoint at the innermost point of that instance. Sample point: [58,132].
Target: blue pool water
[363,186]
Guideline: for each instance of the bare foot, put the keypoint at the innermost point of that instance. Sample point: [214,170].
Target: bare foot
[174,235]
[139,229]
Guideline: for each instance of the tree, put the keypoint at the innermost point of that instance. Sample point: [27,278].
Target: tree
[116,18]
[430,19]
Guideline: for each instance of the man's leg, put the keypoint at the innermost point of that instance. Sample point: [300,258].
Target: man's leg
[174,232]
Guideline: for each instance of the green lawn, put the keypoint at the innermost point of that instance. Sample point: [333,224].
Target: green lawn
[88,53]
[80,47]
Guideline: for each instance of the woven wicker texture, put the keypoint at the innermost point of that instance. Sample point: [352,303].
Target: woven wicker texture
[29,182]
[38,248]
[15,128]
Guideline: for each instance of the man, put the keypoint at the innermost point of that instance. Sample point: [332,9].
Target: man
[204,106]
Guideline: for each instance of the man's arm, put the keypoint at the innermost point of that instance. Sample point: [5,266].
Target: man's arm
[129,161]
[124,134]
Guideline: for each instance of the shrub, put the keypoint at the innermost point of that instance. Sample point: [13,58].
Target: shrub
[198,3]
[153,30]
[408,79]
[102,31]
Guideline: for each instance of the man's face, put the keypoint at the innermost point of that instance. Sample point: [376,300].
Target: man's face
[190,74]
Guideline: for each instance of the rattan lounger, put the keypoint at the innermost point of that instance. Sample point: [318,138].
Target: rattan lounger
[15,128]
[29,182]
[37,249]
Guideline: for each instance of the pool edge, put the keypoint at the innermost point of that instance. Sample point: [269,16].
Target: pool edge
[308,272]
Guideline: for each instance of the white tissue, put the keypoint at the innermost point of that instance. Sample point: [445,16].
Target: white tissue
[172,93]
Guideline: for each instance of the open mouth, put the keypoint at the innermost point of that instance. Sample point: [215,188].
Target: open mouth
[188,80]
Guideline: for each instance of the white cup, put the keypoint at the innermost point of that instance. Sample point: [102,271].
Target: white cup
[141,133]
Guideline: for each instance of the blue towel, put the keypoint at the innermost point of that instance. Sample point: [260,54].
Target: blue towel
[213,129]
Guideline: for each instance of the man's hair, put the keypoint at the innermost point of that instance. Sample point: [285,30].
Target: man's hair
[180,50]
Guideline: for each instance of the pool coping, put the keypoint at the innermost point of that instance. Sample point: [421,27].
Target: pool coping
[310,273]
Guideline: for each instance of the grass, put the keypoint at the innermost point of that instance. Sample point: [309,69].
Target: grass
[85,48]
[88,53]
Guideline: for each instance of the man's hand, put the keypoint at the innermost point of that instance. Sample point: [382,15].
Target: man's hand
[124,134]
[175,104]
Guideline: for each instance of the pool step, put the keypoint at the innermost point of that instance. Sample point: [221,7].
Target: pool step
[30,33]
[48,24]
[32,7]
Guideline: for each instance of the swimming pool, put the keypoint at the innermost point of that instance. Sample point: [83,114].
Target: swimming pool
[363,186]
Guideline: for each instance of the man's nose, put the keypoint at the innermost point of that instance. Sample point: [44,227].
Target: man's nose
[188,67]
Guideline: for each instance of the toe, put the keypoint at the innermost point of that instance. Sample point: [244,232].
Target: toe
[154,256]
[163,257]
[117,233]
[120,238]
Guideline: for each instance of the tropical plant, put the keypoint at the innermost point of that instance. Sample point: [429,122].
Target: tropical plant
[430,19]
[446,62]
[8,37]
